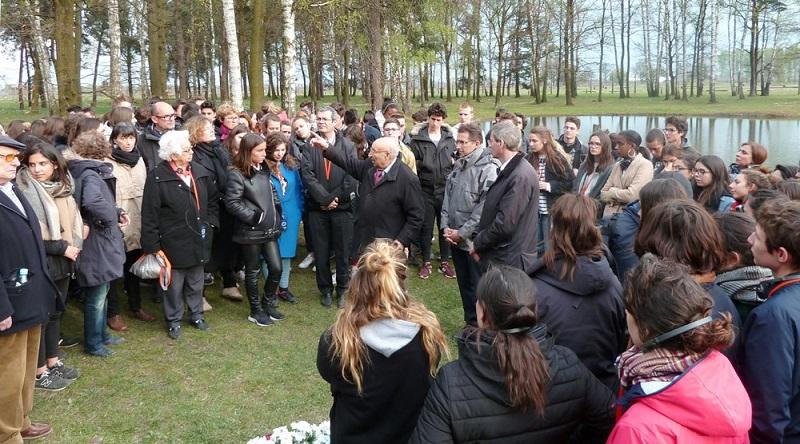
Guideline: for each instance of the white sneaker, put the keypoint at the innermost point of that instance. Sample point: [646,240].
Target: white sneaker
[206,305]
[307,261]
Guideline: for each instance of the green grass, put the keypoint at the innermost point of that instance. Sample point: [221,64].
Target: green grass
[229,384]
[783,103]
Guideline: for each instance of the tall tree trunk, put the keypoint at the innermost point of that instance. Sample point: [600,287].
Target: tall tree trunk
[20,85]
[40,56]
[714,55]
[257,35]
[212,52]
[569,17]
[182,92]
[157,54]
[602,49]
[755,11]
[628,47]
[290,57]
[229,24]
[375,38]
[114,82]
[143,28]
[96,66]
[67,64]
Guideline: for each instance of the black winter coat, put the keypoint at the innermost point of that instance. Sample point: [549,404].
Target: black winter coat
[147,144]
[469,401]
[434,163]
[576,149]
[21,238]
[254,205]
[392,209]
[321,190]
[506,232]
[171,220]
[585,314]
[103,254]
[213,157]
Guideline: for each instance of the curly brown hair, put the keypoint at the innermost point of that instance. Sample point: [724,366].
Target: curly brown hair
[92,145]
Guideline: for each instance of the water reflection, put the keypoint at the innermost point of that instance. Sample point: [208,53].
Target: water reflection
[710,135]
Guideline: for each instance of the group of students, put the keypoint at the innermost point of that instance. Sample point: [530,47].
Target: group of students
[657,273]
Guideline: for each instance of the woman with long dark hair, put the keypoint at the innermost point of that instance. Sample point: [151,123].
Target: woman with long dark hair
[555,178]
[679,387]
[45,181]
[254,204]
[285,177]
[511,384]
[380,354]
[594,171]
[711,182]
[580,297]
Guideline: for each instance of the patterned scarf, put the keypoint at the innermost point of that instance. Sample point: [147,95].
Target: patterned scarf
[660,364]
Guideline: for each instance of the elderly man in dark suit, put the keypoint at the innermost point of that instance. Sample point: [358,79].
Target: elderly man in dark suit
[390,200]
[26,297]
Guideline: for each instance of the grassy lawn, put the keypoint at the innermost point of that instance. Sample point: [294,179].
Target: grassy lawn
[230,384]
[783,103]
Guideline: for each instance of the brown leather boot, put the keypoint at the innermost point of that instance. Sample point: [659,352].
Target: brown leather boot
[35,431]
[116,323]
[142,315]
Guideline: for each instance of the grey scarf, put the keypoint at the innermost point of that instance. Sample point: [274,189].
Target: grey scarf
[742,283]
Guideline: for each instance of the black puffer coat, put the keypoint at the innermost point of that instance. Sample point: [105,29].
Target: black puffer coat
[254,205]
[434,162]
[171,220]
[469,402]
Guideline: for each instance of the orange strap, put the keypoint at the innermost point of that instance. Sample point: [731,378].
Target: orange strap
[780,286]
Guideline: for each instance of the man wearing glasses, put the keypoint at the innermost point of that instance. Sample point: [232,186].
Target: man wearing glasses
[162,119]
[675,130]
[26,296]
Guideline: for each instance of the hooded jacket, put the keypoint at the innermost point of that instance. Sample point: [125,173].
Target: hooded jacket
[585,314]
[395,382]
[469,401]
[103,254]
[706,404]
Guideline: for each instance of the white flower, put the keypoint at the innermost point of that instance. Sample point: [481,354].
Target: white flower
[298,432]
[260,440]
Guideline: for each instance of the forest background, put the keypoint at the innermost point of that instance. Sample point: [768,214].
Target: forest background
[57,53]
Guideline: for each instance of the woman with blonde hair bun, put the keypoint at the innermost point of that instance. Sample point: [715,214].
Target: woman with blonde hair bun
[381,353]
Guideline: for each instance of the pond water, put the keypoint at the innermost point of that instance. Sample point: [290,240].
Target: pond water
[721,136]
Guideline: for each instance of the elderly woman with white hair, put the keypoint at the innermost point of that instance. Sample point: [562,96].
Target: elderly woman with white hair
[179,215]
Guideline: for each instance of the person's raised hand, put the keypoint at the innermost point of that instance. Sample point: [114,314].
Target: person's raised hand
[5,324]
[318,141]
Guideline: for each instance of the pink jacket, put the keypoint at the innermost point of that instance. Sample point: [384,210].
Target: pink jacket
[707,404]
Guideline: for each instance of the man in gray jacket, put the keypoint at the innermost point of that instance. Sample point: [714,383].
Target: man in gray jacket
[472,175]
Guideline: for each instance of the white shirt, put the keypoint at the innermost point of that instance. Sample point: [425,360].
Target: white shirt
[389,167]
[503,165]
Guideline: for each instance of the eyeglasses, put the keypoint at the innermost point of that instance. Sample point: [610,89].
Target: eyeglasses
[698,172]
[10,157]
[670,130]
[166,116]
[463,142]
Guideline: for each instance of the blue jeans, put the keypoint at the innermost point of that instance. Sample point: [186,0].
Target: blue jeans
[543,234]
[94,317]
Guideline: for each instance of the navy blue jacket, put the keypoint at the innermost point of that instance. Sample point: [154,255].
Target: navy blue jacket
[769,364]
[21,238]
[585,314]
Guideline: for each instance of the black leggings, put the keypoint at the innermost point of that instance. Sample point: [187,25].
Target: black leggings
[131,284]
[51,332]
[251,256]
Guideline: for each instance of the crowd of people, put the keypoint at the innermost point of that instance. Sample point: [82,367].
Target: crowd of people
[614,290]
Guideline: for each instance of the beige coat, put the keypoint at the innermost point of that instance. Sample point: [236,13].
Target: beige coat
[623,187]
[130,189]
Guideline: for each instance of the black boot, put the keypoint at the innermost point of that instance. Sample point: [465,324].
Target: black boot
[326,298]
[287,295]
[340,299]
[270,304]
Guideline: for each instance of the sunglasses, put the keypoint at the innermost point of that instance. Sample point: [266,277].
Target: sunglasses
[10,157]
